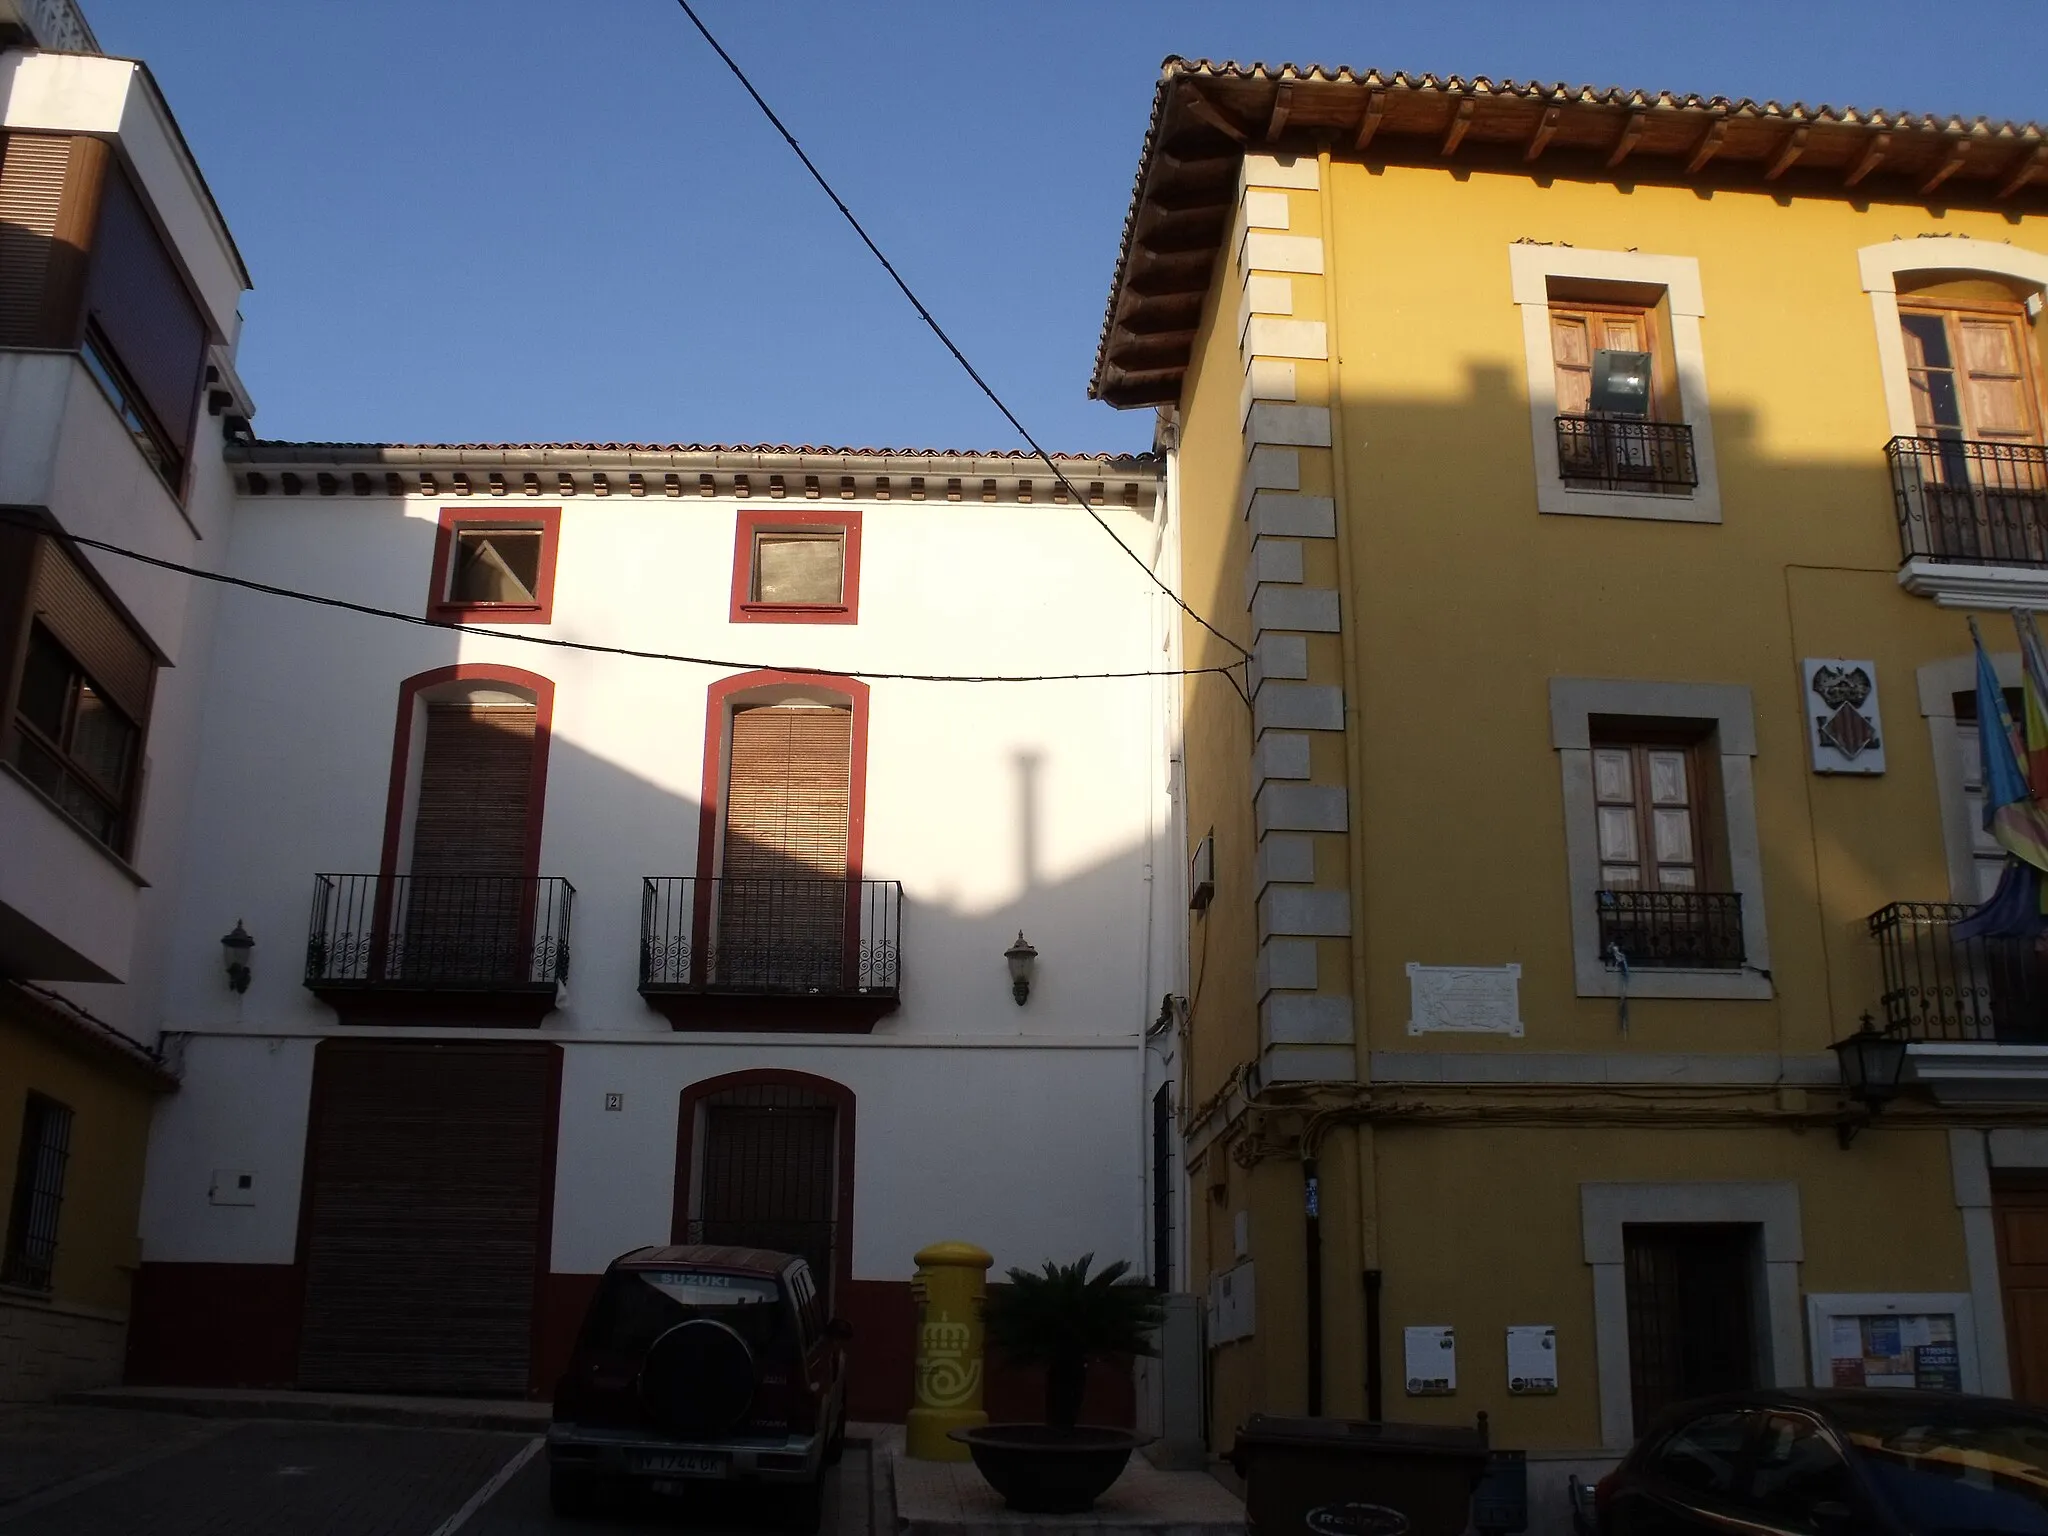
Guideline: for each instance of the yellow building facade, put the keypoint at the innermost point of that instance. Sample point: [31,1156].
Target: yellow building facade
[75,1105]
[1599,484]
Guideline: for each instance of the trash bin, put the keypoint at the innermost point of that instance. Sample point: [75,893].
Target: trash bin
[1347,1477]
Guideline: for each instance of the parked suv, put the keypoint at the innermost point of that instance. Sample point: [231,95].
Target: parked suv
[701,1364]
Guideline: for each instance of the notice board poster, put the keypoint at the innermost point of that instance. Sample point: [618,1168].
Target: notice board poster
[1431,1358]
[1895,1350]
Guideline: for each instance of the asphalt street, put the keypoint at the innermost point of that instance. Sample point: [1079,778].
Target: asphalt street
[93,1472]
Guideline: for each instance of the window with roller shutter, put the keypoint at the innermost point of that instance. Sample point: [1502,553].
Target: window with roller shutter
[783,894]
[464,907]
[77,684]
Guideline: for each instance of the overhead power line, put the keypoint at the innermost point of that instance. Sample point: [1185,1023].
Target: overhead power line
[939,331]
[38,525]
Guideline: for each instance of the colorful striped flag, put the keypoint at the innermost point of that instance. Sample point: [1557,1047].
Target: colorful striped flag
[2010,812]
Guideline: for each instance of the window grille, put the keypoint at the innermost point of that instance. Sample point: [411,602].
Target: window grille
[31,1254]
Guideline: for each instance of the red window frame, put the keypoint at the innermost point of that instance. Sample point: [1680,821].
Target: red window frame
[548,520]
[772,520]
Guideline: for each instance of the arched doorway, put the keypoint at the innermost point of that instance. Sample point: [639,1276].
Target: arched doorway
[764,1159]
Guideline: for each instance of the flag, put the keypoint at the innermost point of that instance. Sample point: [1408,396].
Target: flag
[2014,910]
[2034,658]
[2010,813]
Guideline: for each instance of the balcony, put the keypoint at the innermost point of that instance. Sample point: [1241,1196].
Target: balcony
[1671,930]
[1973,518]
[1626,453]
[771,954]
[1975,1010]
[439,949]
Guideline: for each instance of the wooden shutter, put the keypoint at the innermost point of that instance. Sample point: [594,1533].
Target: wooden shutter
[97,637]
[1575,335]
[786,795]
[32,171]
[1646,816]
[427,1173]
[1997,389]
[476,779]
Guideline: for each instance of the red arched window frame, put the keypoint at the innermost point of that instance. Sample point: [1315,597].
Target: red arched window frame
[409,691]
[842,1101]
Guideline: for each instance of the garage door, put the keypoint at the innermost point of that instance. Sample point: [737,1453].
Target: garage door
[428,1170]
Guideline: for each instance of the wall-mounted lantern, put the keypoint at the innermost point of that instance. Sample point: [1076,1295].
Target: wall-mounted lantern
[1871,1062]
[1022,958]
[234,949]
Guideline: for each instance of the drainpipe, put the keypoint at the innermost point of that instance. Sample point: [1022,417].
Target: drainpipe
[1312,1263]
[1375,1392]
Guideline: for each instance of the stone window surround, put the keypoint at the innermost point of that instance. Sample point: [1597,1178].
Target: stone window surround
[1940,682]
[1573,703]
[1530,268]
[1880,267]
[1605,1209]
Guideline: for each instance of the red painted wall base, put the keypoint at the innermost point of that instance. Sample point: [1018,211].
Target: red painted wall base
[237,1325]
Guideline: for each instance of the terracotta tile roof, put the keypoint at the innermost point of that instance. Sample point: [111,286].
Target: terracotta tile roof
[278,450]
[1207,114]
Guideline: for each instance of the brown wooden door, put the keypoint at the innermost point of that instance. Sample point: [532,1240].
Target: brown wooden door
[783,897]
[428,1176]
[467,905]
[1691,1324]
[2019,1210]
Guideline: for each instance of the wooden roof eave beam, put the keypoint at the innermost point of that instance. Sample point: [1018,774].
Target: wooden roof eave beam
[1283,105]
[1788,155]
[1958,152]
[1375,110]
[1708,146]
[1631,135]
[1873,156]
[1461,121]
[2030,166]
[1546,130]
[1205,111]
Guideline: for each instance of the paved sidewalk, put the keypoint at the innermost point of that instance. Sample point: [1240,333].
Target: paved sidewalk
[326,1407]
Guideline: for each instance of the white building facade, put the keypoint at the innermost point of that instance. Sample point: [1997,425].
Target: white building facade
[564,951]
[119,285]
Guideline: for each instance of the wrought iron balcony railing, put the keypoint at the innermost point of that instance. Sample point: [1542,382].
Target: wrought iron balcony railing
[791,938]
[438,932]
[1672,930]
[1970,502]
[1939,987]
[1626,453]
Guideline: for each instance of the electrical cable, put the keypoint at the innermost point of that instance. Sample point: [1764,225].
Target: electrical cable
[940,331]
[39,526]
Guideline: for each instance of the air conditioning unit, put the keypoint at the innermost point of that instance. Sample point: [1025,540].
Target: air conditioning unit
[1202,875]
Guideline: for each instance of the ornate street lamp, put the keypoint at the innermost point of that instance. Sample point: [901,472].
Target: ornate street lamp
[234,948]
[1871,1061]
[1022,958]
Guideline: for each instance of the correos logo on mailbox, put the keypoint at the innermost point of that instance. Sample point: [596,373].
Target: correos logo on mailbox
[1356,1520]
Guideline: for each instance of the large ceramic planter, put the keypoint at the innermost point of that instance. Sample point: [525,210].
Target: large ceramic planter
[1046,1471]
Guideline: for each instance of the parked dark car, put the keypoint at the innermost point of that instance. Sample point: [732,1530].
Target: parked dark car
[701,1364]
[1835,1461]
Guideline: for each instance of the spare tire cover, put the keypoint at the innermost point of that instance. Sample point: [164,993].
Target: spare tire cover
[698,1378]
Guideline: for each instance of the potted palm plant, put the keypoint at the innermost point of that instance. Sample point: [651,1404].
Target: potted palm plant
[1062,1319]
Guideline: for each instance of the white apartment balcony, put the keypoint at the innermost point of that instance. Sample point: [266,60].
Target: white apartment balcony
[68,903]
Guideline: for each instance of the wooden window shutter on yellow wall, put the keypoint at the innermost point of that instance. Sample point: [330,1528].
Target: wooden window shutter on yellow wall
[787,792]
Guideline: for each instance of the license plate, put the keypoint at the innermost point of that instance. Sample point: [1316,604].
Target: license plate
[679,1464]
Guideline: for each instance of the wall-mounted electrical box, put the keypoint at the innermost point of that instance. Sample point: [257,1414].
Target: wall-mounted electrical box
[1202,874]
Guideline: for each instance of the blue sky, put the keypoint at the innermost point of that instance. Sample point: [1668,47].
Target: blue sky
[520,220]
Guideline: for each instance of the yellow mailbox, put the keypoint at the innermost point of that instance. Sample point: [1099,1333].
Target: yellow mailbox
[951,1281]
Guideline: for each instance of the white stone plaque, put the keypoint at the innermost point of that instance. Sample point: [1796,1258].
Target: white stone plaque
[1839,698]
[1464,999]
